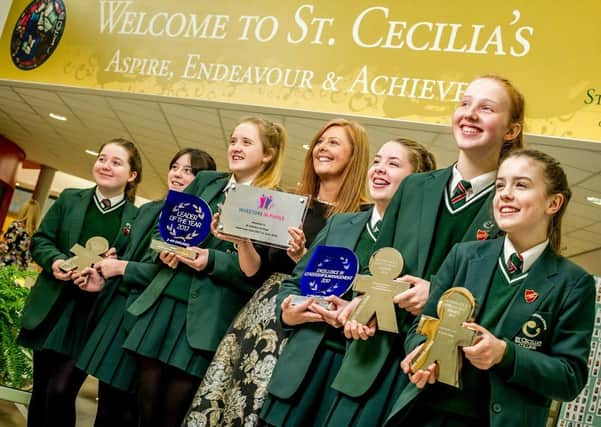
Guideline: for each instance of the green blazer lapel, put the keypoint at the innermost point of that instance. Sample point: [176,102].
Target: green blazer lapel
[483,227]
[127,218]
[213,188]
[77,217]
[480,271]
[433,192]
[347,233]
[537,283]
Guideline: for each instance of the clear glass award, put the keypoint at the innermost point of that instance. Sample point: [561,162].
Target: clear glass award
[261,215]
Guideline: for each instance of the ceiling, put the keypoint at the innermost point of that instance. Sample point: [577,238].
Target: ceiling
[160,126]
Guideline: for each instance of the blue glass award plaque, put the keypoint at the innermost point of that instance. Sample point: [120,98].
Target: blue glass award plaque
[331,271]
[185,221]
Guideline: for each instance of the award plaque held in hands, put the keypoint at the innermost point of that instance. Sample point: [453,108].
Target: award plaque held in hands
[379,289]
[185,221]
[261,215]
[446,334]
[85,257]
[331,271]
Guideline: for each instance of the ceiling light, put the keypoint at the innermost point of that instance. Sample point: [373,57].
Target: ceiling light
[58,117]
[594,200]
[91,153]
[306,146]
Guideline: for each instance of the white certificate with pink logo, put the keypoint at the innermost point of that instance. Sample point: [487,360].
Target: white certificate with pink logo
[261,215]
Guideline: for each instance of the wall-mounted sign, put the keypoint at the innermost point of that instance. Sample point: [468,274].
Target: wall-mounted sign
[403,60]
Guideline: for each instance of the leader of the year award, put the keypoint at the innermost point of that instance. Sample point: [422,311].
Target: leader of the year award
[185,221]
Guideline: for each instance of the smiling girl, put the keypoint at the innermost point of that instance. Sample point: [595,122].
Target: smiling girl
[126,277]
[300,390]
[231,392]
[429,214]
[55,317]
[184,312]
[534,314]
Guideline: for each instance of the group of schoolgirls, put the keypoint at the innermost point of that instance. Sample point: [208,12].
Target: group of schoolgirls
[217,340]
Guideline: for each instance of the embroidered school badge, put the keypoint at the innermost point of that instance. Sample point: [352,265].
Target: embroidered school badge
[481,235]
[37,33]
[530,295]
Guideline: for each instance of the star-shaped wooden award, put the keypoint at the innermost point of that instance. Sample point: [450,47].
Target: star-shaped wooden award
[86,257]
[379,289]
[446,334]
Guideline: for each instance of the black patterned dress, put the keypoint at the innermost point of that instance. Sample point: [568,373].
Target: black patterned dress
[14,247]
[234,387]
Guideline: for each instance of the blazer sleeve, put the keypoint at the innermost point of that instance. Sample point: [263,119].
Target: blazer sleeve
[139,273]
[561,373]
[440,282]
[44,248]
[224,267]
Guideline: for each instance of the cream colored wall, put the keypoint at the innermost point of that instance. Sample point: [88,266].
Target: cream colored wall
[4,7]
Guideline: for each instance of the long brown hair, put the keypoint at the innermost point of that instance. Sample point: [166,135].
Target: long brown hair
[353,191]
[556,182]
[29,214]
[273,138]
[135,165]
[517,108]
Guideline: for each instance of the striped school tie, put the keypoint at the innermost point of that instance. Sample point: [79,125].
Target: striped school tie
[458,198]
[514,265]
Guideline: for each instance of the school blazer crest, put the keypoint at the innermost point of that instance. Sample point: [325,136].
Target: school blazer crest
[550,335]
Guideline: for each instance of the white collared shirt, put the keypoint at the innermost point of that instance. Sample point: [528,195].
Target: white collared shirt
[528,257]
[479,183]
[116,202]
[375,217]
[233,181]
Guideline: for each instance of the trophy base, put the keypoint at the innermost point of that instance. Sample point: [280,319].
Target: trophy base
[159,245]
[299,299]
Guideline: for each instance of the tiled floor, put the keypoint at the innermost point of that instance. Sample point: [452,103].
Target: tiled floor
[10,416]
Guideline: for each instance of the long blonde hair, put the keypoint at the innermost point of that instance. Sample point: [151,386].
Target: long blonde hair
[353,192]
[273,138]
[29,213]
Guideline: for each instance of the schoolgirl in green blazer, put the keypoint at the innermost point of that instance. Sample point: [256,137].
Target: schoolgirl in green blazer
[122,280]
[300,390]
[534,316]
[430,213]
[183,313]
[55,317]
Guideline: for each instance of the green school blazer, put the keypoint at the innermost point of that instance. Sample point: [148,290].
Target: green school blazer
[294,362]
[53,240]
[138,274]
[555,365]
[408,226]
[217,293]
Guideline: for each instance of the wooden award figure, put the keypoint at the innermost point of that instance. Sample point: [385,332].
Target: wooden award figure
[379,289]
[86,257]
[446,334]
